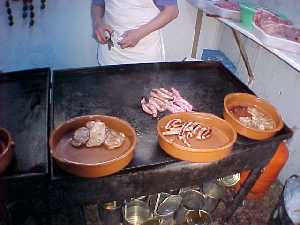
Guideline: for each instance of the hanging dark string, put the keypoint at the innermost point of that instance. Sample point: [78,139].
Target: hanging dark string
[43,4]
[31,8]
[9,13]
[27,11]
[25,8]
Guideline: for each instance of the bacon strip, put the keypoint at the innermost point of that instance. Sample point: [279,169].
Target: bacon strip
[145,108]
[153,109]
[163,95]
[155,95]
[162,99]
[165,91]
[173,123]
[156,104]
[187,130]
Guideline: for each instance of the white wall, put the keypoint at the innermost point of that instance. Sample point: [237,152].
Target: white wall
[179,35]
[275,81]
[61,37]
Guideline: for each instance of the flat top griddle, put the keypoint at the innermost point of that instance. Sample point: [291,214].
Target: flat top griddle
[24,113]
[117,91]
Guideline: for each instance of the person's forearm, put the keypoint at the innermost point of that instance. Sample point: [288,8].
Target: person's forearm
[168,14]
[97,13]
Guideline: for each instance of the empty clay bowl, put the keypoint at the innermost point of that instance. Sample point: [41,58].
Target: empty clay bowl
[244,99]
[6,151]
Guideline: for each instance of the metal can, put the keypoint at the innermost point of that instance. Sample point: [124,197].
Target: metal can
[214,189]
[198,217]
[135,212]
[230,181]
[110,213]
[192,200]
[153,221]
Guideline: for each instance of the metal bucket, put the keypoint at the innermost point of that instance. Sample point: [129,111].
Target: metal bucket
[135,212]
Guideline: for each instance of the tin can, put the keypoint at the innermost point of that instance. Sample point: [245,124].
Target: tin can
[230,181]
[167,209]
[198,217]
[214,192]
[135,212]
[110,213]
[214,189]
[153,221]
[192,200]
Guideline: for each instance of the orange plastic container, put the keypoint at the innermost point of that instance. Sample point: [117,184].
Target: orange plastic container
[269,174]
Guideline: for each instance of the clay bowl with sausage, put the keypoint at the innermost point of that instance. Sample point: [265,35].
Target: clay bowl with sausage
[237,112]
[6,150]
[92,161]
[195,136]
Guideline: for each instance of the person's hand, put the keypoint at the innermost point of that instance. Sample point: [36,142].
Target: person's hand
[99,30]
[130,38]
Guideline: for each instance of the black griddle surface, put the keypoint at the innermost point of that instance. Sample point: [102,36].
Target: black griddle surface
[117,91]
[24,113]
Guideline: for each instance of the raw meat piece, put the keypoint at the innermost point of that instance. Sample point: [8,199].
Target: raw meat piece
[80,137]
[159,105]
[265,17]
[114,139]
[228,5]
[145,108]
[163,94]
[174,108]
[97,133]
[153,109]
[162,99]
[166,92]
[187,130]
[276,26]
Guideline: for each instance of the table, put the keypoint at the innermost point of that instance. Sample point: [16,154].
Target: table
[116,91]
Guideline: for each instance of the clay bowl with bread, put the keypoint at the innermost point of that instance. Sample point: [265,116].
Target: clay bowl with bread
[91,162]
[248,100]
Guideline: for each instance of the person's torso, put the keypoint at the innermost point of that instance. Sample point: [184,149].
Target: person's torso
[124,15]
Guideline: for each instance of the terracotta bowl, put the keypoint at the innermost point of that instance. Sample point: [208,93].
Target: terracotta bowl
[6,150]
[218,146]
[96,161]
[262,105]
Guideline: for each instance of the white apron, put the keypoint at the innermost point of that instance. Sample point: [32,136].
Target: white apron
[124,15]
